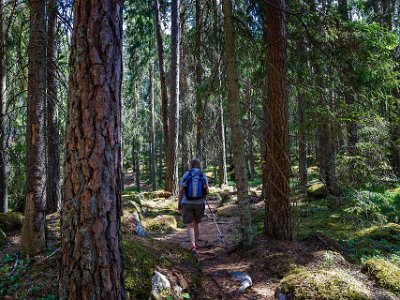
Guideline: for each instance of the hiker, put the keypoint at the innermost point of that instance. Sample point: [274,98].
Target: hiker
[193,190]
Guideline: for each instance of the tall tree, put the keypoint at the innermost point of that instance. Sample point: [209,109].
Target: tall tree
[91,250]
[153,175]
[198,79]
[3,109]
[34,226]
[172,155]
[237,129]
[277,218]
[53,138]
[163,81]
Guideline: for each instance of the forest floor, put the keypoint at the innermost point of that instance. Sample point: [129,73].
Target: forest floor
[326,240]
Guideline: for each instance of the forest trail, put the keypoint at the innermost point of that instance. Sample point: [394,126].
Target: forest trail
[218,262]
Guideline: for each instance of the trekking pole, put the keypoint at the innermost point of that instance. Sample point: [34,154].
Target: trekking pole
[221,237]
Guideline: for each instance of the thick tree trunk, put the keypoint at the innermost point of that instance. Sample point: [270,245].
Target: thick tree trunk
[153,175]
[172,155]
[91,248]
[3,109]
[34,227]
[163,81]
[278,219]
[198,79]
[237,129]
[53,138]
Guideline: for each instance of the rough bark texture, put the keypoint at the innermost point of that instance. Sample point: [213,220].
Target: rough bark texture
[34,227]
[163,81]
[278,219]
[171,184]
[91,252]
[237,129]
[153,175]
[3,109]
[198,78]
[53,138]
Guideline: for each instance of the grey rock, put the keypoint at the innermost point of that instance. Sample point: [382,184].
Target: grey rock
[159,283]
[244,279]
[139,229]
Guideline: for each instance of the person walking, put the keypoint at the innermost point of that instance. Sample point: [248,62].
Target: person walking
[193,190]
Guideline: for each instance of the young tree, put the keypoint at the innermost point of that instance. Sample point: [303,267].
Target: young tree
[91,250]
[198,80]
[237,129]
[172,155]
[53,138]
[3,109]
[153,175]
[34,226]
[277,217]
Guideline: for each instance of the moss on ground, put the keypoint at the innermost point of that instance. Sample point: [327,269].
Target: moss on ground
[10,221]
[317,190]
[161,224]
[384,273]
[323,285]
[143,256]
[278,265]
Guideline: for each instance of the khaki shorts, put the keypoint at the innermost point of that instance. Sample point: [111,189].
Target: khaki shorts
[192,212]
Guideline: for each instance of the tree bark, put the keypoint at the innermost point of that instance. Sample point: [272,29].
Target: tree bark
[223,173]
[237,129]
[91,248]
[278,218]
[3,109]
[172,156]
[163,81]
[34,227]
[153,174]
[53,138]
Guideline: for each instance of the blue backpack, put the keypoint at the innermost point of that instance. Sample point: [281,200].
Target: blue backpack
[195,185]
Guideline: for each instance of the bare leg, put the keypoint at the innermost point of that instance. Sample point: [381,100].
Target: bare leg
[196,231]
[191,234]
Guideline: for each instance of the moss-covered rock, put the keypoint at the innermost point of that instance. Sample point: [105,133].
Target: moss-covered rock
[143,256]
[317,190]
[384,273]
[390,232]
[161,194]
[161,224]
[278,265]
[227,211]
[10,221]
[323,285]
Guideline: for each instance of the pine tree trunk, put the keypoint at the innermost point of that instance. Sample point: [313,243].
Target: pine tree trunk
[250,120]
[184,85]
[3,109]
[34,226]
[237,129]
[153,175]
[53,138]
[91,248]
[223,173]
[163,81]
[198,79]
[172,155]
[278,219]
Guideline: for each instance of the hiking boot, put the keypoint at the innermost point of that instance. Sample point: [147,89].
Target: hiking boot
[194,249]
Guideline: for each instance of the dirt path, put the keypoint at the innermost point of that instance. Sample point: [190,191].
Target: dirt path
[218,262]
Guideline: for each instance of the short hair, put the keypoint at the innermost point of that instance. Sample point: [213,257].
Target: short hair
[195,163]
